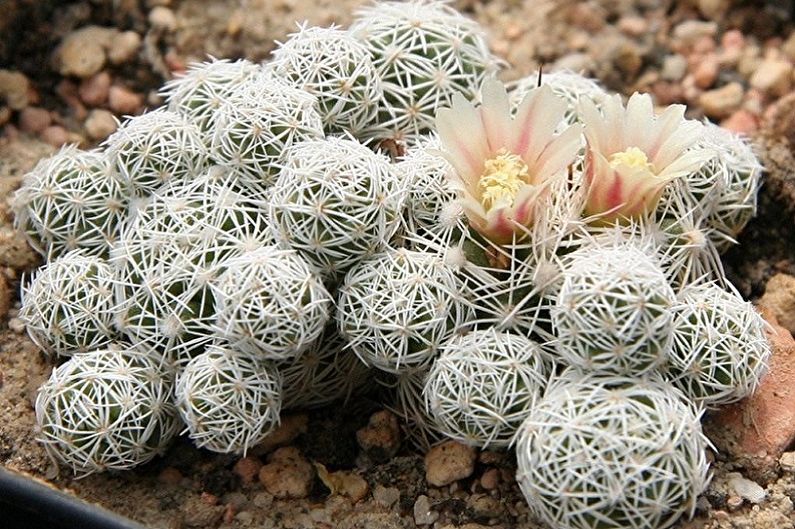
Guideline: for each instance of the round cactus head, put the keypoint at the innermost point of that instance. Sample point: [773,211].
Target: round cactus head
[203,88]
[398,308]
[336,202]
[258,121]
[68,306]
[483,385]
[611,453]
[613,309]
[154,148]
[719,351]
[73,199]
[335,68]
[424,52]
[228,400]
[105,410]
[736,172]
[271,304]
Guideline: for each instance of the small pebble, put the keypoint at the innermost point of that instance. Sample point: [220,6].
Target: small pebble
[423,514]
[674,67]
[386,496]
[288,474]
[123,47]
[721,102]
[5,115]
[706,72]
[14,89]
[33,120]
[288,430]
[124,101]
[747,489]
[82,53]
[380,439]
[734,502]
[448,462]
[634,26]
[686,33]
[787,461]
[263,500]
[100,124]
[773,76]
[55,135]
[247,469]
[490,479]
[94,90]
[742,122]
[484,506]
[163,18]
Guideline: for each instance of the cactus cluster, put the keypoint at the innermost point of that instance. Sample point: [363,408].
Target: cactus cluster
[535,269]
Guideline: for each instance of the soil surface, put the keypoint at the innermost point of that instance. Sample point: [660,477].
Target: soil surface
[627,44]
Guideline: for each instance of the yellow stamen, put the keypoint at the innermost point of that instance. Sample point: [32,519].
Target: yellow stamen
[502,178]
[632,157]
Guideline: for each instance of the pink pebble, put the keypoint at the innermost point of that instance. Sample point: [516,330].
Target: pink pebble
[124,101]
[33,120]
[706,72]
[733,39]
[94,90]
[55,135]
[742,122]
[704,44]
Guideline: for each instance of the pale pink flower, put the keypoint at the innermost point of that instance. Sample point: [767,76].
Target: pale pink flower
[631,154]
[502,165]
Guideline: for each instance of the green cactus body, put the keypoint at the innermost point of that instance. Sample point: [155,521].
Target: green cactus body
[72,200]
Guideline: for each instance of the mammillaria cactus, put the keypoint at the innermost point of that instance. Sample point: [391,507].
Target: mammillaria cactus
[165,303]
[228,400]
[424,52]
[736,171]
[336,202]
[73,199]
[565,84]
[335,68]
[483,385]
[153,148]
[398,308]
[611,452]
[613,309]
[258,121]
[173,248]
[719,351]
[68,306]
[200,92]
[325,372]
[106,409]
[269,303]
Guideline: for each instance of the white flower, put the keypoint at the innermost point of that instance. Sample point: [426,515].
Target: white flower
[502,165]
[631,154]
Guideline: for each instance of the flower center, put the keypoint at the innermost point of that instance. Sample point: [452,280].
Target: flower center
[502,177]
[632,157]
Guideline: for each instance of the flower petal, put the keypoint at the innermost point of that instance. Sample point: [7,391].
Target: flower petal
[558,154]
[495,113]
[535,122]
[463,138]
